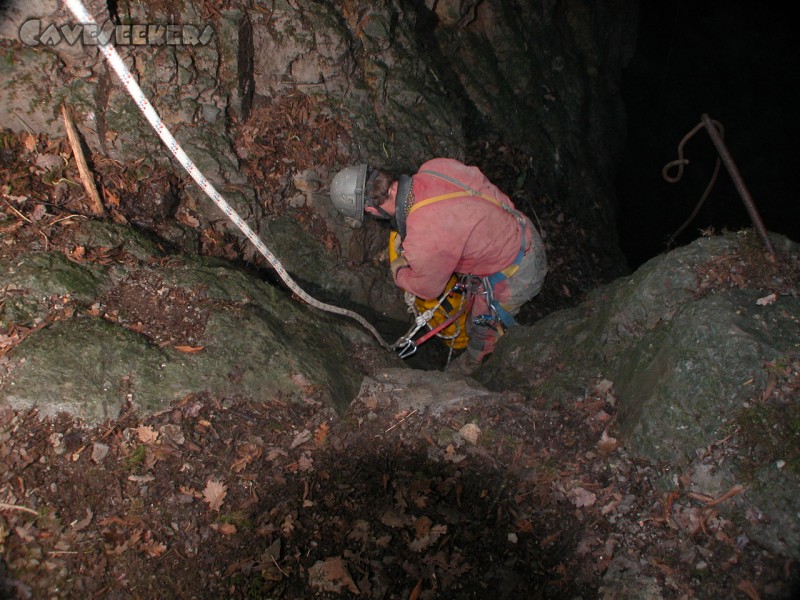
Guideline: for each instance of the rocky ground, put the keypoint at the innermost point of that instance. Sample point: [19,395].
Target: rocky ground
[489,495]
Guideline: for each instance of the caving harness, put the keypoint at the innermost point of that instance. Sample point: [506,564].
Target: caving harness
[443,317]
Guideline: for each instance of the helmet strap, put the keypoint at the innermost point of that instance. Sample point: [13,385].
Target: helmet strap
[404,184]
[385,216]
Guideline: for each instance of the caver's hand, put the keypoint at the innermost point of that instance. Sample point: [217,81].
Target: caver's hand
[397,264]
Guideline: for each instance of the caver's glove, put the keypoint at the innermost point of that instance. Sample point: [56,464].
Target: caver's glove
[398,245]
[397,264]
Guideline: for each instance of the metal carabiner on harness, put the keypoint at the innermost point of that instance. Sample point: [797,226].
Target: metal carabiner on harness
[408,348]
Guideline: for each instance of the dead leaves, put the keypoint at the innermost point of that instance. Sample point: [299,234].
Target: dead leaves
[332,575]
[427,534]
[607,444]
[214,494]
[99,255]
[189,349]
[146,434]
[153,548]
[300,439]
[246,453]
[224,528]
[581,497]
[321,434]
[9,340]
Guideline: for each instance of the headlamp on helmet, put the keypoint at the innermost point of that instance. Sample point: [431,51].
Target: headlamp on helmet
[349,190]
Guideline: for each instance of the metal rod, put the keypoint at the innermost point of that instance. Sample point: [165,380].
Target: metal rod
[727,160]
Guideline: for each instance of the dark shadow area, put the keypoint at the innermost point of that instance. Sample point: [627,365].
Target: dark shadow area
[738,63]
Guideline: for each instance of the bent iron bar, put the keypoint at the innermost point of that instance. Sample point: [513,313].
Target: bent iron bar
[715,132]
[727,160]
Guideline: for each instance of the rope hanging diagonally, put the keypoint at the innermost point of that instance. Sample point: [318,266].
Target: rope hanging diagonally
[80,13]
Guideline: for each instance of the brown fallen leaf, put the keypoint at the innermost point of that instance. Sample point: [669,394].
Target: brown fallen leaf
[29,141]
[189,349]
[422,526]
[420,544]
[111,199]
[581,497]
[214,493]
[187,219]
[322,434]
[300,438]
[146,434]
[332,575]
[153,548]
[607,444]
[245,454]
[416,591]
[224,528]
[78,254]
[748,590]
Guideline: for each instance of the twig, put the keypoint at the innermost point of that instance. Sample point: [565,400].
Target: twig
[709,501]
[737,489]
[5,506]
[16,212]
[413,412]
[95,204]
[279,567]
[66,219]
[748,590]
[24,123]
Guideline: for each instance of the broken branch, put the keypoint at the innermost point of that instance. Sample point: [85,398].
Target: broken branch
[95,204]
[5,506]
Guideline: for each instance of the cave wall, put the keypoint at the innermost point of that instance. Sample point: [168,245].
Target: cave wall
[392,82]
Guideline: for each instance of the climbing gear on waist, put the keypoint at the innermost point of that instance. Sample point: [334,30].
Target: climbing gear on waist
[440,323]
[80,13]
[445,317]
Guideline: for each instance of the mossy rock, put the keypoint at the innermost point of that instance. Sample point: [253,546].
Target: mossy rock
[32,279]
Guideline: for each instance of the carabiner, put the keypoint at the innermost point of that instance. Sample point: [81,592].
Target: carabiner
[409,348]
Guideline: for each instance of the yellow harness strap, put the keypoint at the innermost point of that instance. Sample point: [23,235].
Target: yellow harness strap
[463,192]
[466,191]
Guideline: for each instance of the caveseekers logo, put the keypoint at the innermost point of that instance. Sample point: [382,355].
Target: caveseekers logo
[36,33]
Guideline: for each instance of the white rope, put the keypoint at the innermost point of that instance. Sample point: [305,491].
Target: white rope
[80,13]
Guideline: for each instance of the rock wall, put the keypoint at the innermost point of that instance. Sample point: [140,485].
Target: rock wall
[701,348]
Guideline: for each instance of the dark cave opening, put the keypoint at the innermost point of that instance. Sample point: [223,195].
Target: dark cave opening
[738,63]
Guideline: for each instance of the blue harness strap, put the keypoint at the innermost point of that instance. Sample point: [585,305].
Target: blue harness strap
[489,282]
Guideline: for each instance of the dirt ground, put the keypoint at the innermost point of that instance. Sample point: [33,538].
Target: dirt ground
[504,496]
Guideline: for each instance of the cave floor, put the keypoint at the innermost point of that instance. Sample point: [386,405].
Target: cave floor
[505,496]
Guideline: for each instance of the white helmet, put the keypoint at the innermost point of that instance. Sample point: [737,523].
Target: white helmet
[349,189]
